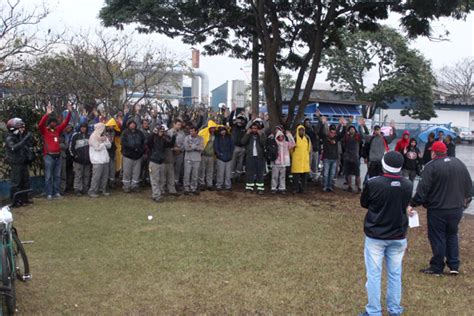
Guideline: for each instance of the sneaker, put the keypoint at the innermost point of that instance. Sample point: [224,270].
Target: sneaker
[349,189]
[93,195]
[283,192]
[248,191]
[430,271]
[228,190]
[157,200]
[77,192]
[218,189]
[453,272]
[175,194]
[49,197]
[274,192]
[58,196]
[106,193]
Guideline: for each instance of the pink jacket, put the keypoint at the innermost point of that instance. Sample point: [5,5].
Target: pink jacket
[284,148]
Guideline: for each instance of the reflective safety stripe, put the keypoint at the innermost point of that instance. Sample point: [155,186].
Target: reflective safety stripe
[260,187]
[249,186]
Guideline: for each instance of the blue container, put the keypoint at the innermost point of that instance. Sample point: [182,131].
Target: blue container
[36,184]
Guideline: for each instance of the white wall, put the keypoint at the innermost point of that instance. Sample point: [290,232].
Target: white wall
[457,118]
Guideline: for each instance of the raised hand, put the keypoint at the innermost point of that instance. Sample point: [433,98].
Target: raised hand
[69,106]
[324,120]
[342,121]
[49,108]
[361,121]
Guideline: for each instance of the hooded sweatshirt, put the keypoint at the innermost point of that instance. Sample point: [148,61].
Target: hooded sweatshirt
[98,145]
[301,153]
[223,146]
[403,143]
[412,157]
[133,143]
[284,148]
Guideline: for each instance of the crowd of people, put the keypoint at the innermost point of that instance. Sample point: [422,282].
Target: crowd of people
[187,152]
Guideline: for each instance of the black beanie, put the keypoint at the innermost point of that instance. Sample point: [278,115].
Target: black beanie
[392,162]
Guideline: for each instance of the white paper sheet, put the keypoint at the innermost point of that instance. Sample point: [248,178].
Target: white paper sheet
[414,221]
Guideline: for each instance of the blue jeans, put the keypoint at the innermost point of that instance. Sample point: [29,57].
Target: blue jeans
[52,175]
[329,172]
[376,250]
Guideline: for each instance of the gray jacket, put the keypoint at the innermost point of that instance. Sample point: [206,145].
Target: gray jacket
[193,146]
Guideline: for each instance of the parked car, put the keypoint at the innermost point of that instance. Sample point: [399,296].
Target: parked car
[465,134]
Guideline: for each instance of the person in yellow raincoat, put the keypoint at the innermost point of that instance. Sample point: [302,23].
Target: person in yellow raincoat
[208,158]
[115,165]
[300,166]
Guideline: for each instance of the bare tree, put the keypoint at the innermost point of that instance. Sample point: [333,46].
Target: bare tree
[102,69]
[20,38]
[458,80]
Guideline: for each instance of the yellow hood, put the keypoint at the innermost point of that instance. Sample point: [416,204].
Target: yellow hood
[205,134]
[113,123]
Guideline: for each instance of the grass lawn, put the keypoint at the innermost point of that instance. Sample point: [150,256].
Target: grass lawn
[218,253]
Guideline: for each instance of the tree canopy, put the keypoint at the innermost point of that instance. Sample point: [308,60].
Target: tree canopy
[401,72]
[291,34]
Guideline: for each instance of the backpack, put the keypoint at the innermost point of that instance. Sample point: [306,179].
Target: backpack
[271,149]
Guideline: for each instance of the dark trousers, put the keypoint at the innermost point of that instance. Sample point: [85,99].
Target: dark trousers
[443,236]
[254,168]
[299,182]
[19,180]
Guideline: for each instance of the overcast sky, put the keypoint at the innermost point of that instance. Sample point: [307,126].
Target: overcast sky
[74,15]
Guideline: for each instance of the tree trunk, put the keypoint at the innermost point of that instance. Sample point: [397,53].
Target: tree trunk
[255,81]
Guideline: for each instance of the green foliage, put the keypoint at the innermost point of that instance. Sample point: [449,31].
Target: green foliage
[402,72]
[291,34]
[24,108]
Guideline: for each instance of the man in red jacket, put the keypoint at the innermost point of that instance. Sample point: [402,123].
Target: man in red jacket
[51,132]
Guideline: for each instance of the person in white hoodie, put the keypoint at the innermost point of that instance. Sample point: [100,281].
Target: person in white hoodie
[99,156]
[285,145]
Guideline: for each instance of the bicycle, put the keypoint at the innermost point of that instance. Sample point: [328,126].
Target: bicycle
[13,259]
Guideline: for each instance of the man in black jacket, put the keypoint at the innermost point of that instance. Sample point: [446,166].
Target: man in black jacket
[254,142]
[238,132]
[386,223]
[444,190]
[158,144]
[133,146]
[79,149]
[17,143]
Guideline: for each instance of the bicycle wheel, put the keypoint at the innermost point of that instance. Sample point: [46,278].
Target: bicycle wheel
[22,267]
[8,293]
